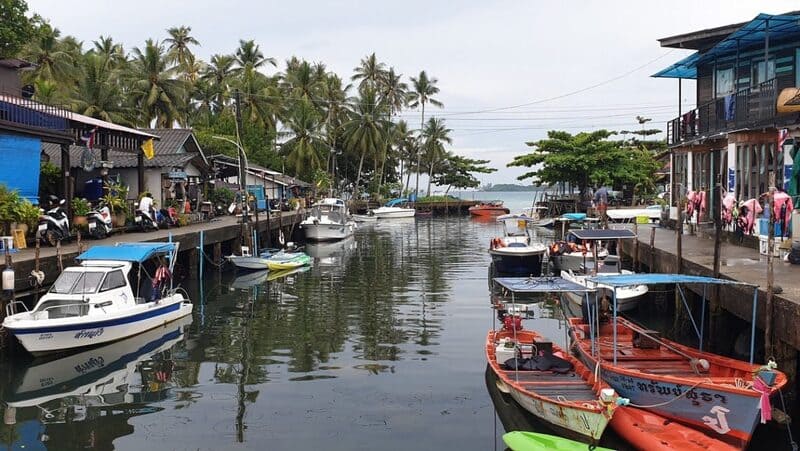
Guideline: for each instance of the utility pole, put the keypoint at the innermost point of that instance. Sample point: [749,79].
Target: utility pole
[242,166]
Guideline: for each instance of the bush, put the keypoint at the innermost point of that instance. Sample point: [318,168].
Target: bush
[80,206]
[221,196]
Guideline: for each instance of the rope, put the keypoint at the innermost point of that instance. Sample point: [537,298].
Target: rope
[792,443]
[212,262]
[652,406]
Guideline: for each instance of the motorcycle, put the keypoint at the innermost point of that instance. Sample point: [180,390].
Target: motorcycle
[144,219]
[100,222]
[167,217]
[53,225]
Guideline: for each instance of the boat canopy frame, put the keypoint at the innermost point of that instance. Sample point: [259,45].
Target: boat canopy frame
[678,279]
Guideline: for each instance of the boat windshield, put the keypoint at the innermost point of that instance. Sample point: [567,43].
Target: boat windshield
[74,282]
[515,227]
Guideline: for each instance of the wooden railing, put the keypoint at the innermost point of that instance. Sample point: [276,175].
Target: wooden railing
[745,108]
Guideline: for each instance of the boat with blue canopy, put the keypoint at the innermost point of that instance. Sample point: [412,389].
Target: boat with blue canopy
[115,292]
[516,252]
[721,396]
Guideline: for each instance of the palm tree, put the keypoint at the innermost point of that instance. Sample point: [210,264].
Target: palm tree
[435,134]
[97,93]
[250,58]
[179,41]
[402,139]
[394,91]
[366,128]
[110,50]
[301,82]
[218,73]
[154,90]
[332,99]
[204,102]
[422,93]
[53,62]
[369,71]
[304,149]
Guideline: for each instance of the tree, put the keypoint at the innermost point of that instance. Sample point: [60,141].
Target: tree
[154,90]
[366,129]
[585,159]
[53,61]
[250,58]
[457,172]
[369,71]
[179,41]
[424,89]
[435,135]
[97,93]
[218,73]
[307,143]
[15,28]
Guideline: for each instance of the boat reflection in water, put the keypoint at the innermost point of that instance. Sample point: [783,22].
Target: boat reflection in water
[63,397]
[326,254]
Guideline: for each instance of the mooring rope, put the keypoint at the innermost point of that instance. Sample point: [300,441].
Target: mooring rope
[792,443]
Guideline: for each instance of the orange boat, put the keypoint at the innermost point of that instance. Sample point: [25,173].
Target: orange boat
[650,432]
[489,208]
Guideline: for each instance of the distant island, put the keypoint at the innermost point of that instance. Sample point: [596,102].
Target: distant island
[508,187]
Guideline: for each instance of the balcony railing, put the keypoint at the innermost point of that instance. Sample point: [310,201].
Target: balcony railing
[745,108]
[26,112]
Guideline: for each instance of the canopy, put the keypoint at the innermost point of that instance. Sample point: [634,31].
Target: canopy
[395,202]
[128,252]
[540,285]
[778,27]
[602,234]
[651,279]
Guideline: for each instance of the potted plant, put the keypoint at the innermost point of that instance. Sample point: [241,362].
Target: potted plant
[80,208]
[116,198]
[28,216]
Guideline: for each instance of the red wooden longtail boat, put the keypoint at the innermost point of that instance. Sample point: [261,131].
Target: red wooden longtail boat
[488,209]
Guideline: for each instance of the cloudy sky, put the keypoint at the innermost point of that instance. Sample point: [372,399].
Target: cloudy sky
[507,70]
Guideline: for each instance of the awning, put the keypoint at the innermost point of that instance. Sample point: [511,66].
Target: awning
[603,234]
[779,27]
[652,279]
[540,285]
[128,252]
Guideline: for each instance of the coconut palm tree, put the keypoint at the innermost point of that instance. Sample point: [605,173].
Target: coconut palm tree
[424,89]
[307,143]
[435,135]
[250,58]
[300,82]
[97,93]
[178,43]
[154,89]
[204,102]
[110,50]
[332,105]
[218,73]
[394,91]
[53,61]
[402,139]
[366,128]
[369,71]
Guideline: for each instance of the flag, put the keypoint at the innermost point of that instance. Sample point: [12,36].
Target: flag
[88,138]
[782,135]
[147,148]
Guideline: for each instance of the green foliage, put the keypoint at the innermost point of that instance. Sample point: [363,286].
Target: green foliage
[49,179]
[431,199]
[221,196]
[15,208]
[80,206]
[587,159]
[457,172]
[15,28]
[116,197]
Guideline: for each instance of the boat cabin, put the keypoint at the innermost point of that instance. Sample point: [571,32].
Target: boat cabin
[515,229]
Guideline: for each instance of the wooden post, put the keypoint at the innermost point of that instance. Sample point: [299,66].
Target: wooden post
[715,309]
[140,171]
[652,248]
[217,252]
[635,246]
[770,274]
[679,238]
[65,178]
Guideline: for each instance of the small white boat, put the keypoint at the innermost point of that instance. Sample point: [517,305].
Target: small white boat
[515,253]
[94,303]
[393,212]
[248,261]
[627,297]
[365,218]
[328,221]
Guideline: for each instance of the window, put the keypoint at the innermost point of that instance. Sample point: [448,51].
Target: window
[65,282]
[88,283]
[760,75]
[724,82]
[114,279]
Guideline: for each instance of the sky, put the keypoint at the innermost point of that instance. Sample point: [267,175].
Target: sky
[507,71]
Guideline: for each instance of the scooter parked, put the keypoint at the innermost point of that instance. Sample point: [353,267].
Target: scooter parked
[53,225]
[100,222]
[144,219]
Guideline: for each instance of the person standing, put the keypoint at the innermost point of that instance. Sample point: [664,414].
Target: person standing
[601,203]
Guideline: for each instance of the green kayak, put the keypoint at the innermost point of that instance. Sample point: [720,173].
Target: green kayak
[533,441]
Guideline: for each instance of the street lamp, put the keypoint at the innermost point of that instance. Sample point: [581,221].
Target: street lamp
[242,173]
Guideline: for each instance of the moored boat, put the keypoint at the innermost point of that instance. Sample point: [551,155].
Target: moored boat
[535,441]
[328,221]
[489,208]
[720,396]
[393,212]
[93,303]
[582,247]
[284,260]
[516,253]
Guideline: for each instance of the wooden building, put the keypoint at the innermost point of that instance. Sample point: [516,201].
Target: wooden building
[747,91]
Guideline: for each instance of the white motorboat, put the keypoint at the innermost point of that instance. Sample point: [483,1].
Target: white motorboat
[328,221]
[627,297]
[365,218]
[393,212]
[249,261]
[515,253]
[94,303]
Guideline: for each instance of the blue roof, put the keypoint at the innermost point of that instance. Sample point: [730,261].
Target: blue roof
[779,27]
[539,285]
[128,252]
[394,202]
[651,279]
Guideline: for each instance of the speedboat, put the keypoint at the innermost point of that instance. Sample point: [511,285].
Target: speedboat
[627,297]
[328,221]
[489,208]
[249,261]
[392,210]
[515,253]
[94,303]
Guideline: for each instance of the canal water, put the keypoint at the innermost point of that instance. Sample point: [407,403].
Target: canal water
[379,345]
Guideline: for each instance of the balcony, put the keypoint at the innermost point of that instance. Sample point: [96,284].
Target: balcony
[750,107]
[30,114]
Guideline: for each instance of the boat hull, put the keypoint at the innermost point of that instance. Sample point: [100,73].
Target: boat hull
[534,441]
[488,212]
[395,213]
[714,405]
[328,232]
[573,260]
[627,297]
[63,335]
[251,263]
[650,432]
[517,264]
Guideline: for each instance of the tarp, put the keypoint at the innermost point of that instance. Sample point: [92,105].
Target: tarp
[651,279]
[21,168]
[602,234]
[540,285]
[128,252]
